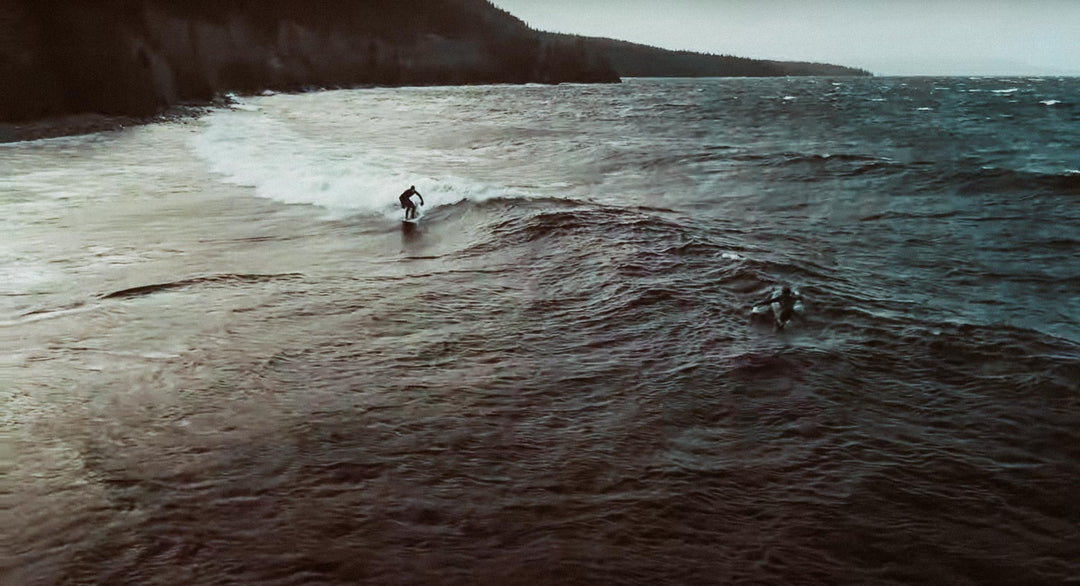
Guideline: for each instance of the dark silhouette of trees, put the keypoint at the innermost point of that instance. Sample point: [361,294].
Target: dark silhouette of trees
[635,60]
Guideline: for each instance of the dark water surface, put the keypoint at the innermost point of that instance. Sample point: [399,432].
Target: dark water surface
[226,362]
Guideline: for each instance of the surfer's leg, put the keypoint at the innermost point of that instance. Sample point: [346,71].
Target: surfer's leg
[783,318]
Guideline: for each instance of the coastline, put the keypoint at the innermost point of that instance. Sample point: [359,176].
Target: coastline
[90,123]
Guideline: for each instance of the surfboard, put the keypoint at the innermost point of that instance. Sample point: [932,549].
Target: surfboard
[770,313]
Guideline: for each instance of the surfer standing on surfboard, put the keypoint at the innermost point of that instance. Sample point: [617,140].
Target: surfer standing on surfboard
[407,202]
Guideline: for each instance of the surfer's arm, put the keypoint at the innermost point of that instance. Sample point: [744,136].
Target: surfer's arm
[421,198]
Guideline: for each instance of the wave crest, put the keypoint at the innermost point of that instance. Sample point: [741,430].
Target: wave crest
[253,149]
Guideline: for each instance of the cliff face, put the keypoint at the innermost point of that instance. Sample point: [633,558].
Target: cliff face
[135,57]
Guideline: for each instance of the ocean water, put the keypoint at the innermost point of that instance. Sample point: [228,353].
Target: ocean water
[224,360]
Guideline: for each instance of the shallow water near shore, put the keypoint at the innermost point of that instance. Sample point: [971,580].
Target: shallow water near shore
[225,360]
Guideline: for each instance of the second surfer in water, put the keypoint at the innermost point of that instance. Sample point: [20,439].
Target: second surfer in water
[783,306]
[407,202]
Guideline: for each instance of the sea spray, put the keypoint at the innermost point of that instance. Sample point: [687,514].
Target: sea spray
[252,149]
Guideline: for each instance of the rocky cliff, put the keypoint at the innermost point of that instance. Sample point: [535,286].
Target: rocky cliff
[135,57]
[138,57]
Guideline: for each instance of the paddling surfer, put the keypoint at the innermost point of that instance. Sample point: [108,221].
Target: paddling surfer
[783,306]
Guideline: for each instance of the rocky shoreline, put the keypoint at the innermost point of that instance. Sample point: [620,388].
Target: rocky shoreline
[124,61]
[90,123]
[134,58]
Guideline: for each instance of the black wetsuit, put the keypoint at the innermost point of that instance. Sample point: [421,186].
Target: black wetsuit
[407,203]
[786,300]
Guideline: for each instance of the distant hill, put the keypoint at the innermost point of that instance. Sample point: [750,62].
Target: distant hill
[635,60]
[138,57]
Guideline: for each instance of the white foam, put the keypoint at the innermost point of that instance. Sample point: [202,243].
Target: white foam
[44,315]
[1050,102]
[256,150]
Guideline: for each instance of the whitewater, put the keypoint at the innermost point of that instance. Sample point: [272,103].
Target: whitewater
[224,359]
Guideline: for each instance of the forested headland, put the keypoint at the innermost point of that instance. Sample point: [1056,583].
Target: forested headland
[636,60]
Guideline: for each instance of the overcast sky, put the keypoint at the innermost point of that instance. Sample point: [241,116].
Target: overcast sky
[887,37]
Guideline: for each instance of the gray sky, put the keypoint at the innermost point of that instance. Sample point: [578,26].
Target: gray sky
[888,37]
